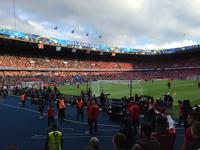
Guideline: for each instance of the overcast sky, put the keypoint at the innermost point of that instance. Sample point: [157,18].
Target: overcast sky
[150,24]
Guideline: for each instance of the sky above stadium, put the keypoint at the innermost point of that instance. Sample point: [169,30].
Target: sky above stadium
[148,24]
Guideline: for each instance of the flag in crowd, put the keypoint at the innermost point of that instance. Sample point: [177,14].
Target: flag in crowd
[174,93]
[41,46]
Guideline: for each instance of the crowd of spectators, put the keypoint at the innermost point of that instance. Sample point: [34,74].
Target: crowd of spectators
[44,63]
[20,61]
[167,63]
[18,68]
[17,77]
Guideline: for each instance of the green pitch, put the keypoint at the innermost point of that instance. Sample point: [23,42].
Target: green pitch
[180,90]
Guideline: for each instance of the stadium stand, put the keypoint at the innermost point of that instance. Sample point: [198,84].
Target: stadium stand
[21,61]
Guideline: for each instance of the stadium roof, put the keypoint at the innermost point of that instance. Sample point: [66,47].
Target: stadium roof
[60,43]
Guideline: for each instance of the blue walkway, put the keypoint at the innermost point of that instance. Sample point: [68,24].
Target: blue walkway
[24,127]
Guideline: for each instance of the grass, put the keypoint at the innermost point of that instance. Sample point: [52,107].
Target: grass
[181,90]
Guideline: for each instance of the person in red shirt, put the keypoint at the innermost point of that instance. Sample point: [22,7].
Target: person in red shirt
[52,96]
[23,99]
[51,114]
[165,136]
[134,115]
[130,103]
[79,107]
[146,142]
[192,117]
[93,113]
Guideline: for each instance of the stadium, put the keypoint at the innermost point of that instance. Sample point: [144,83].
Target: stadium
[23,61]
[38,71]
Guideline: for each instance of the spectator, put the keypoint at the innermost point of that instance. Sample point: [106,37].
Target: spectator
[94,143]
[119,141]
[150,115]
[192,117]
[127,130]
[195,131]
[146,142]
[134,112]
[166,136]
